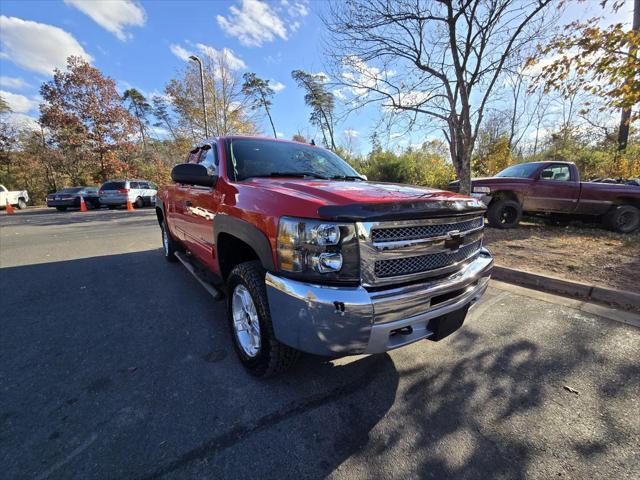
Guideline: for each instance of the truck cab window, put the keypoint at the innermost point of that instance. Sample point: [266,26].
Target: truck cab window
[559,173]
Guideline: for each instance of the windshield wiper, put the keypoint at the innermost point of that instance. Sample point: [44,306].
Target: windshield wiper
[347,177]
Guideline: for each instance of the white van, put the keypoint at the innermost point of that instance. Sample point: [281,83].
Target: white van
[115,193]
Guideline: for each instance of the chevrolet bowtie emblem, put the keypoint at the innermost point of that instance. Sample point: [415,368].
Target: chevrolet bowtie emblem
[454,240]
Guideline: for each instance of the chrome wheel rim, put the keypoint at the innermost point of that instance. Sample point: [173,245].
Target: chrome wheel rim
[165,241]
[246,324]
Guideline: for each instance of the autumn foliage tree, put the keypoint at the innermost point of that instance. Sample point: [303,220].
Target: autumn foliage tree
[605,62]
[86,121]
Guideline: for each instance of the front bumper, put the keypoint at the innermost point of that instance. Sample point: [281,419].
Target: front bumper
[327,320]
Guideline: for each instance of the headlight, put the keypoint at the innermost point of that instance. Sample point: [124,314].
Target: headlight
[316,250]
[481,190]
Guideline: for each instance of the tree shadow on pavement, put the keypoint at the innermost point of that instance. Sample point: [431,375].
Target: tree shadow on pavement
[122,367]
[502,410]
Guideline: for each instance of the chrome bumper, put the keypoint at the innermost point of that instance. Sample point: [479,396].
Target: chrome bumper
[328,320]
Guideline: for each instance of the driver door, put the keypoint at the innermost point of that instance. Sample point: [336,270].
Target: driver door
[553,190]
[201,205]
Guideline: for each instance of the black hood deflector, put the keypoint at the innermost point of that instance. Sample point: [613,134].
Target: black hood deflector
[376,212]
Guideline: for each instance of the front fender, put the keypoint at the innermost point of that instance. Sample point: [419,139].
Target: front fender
[249,234]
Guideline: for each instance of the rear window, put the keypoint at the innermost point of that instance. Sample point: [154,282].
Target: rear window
[113,186]
[70,190]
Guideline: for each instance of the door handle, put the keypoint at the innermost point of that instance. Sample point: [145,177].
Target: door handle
[188,203]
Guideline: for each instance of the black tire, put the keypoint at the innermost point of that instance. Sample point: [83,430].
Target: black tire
[21,204]
[504,213]
[272,357]
[112,207]
[61,209]
[169,245]
[623,219]
[139,203]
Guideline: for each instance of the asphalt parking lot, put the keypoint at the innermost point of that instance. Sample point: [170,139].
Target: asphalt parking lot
[117,364]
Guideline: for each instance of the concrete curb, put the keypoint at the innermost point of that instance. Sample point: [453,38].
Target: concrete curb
[620,298]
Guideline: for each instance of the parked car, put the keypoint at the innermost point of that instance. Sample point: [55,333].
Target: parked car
[316,259]
[70,198]
[140,193]
[19,198]
[555,190]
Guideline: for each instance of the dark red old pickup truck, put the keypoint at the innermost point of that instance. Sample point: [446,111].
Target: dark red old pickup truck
[555,189]
[313,257]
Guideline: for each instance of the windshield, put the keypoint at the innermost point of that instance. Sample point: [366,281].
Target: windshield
[525,170]
[70,190]
[265,158]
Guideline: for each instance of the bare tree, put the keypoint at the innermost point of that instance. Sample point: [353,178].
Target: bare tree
[435,60]
[223,92]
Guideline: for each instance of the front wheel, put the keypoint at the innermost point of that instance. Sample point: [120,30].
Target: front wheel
[22,204]
[250,323]
[61,209]
[504,213]
[623,219]
[139,203]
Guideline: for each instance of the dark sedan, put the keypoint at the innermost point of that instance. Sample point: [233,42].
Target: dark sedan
[70,198]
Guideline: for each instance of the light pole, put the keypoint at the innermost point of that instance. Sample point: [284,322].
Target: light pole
[204,103]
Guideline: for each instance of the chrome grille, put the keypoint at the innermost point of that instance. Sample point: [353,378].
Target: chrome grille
[380,235]
[406,250]
[424,263]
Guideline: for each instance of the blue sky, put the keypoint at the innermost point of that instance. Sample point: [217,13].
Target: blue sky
[138,47]
[139,44]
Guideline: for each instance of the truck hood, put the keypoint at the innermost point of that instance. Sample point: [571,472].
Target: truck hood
[356,201]
[492,180]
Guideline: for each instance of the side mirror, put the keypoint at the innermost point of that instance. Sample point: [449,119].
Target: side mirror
[546,175]
[193,174]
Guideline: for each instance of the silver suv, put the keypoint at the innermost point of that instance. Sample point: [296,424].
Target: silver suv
[115,193]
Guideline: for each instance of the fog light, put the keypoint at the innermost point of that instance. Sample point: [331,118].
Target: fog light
[327,262]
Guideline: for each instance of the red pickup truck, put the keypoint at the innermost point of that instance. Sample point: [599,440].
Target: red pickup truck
[554,189]
[314,258]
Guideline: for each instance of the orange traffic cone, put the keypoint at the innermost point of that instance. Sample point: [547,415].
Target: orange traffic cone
[83,205]
[129,205]
[9,208]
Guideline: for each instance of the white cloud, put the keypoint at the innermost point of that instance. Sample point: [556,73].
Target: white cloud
[253,24]
[256,22]
[20,121]
[112,15]
[233,61]
[13,82]
[37,46]
[350,133]
[339,94]
[180,52]
[19,103]
[296,9]
[276,86]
